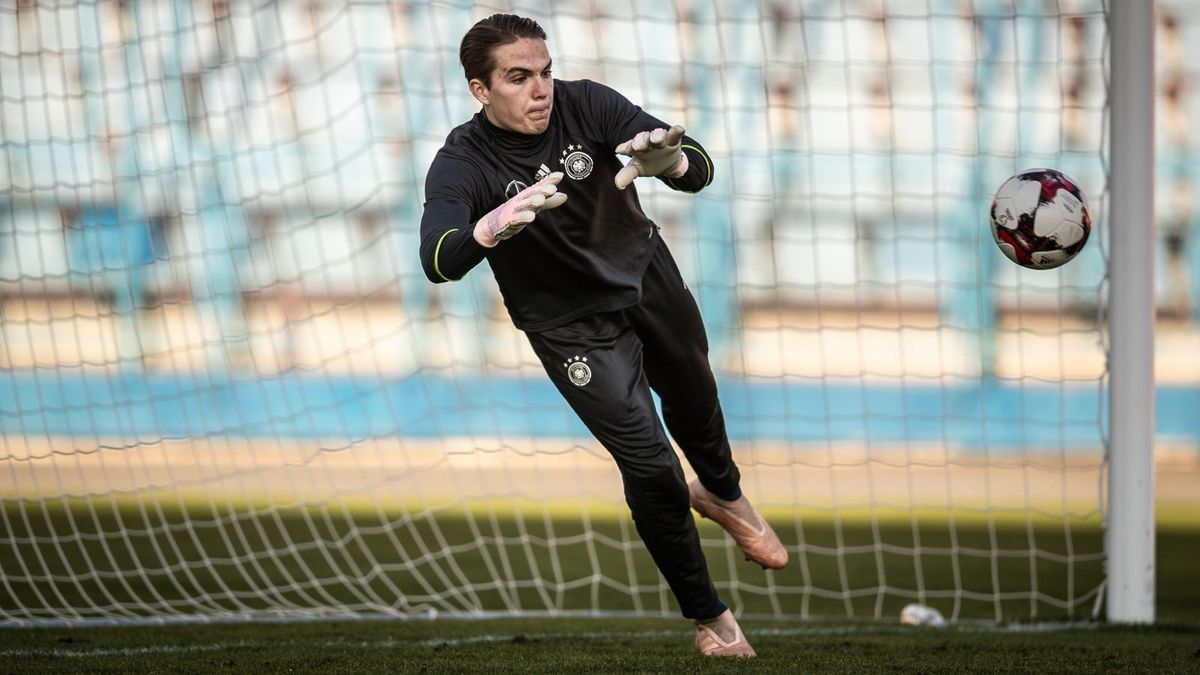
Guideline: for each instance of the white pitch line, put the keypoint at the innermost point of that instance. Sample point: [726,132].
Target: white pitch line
[123,651]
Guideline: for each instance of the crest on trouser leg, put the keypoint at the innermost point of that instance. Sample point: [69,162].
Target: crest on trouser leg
[578,370]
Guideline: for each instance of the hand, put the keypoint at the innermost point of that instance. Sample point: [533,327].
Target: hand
[654,153]
[513,215]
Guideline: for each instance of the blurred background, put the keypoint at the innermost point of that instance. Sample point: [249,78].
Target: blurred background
[208,185]
[233,189]
[214,185]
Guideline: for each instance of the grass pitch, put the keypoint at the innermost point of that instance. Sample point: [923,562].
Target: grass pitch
[63,554]
[592,646]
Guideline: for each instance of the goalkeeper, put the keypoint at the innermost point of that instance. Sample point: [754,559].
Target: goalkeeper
[535,183]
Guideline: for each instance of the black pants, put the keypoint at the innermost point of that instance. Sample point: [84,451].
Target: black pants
[605,365]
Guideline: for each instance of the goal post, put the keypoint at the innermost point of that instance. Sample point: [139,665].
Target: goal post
[1130,509]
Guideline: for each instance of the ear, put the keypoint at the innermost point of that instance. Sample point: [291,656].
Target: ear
[480,91]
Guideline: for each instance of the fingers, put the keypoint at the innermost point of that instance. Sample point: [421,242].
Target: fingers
[547,198]
[646,140]
[552,179]
[665,138]
[641,141]
[541,202]
[548,182]
[626,175]
[675,134]
[634,145]
[540,196]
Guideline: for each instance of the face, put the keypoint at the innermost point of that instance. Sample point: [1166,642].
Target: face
[521,92]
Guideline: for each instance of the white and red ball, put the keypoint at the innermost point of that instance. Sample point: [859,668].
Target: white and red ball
[1040,219]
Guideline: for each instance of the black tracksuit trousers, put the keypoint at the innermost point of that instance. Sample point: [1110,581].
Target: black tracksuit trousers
[605,365]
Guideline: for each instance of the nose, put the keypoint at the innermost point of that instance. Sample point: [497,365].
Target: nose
[544,87]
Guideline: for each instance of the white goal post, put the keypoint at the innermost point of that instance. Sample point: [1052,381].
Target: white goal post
[1130,513]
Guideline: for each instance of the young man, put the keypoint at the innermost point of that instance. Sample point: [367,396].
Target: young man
[596,291]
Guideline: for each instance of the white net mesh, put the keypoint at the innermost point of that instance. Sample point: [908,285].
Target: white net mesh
[228,390]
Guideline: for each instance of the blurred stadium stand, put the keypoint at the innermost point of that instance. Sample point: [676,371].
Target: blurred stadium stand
[260,157]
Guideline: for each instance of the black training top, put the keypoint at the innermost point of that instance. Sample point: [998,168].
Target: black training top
[585,256]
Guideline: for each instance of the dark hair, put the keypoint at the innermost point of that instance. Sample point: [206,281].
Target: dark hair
[476,51]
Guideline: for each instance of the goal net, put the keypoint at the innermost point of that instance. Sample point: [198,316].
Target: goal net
[228,391]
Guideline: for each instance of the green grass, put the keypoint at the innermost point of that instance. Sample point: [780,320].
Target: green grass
[215,560]
[590,646]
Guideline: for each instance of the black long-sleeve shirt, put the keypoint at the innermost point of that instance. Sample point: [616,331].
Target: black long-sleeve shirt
[585,256]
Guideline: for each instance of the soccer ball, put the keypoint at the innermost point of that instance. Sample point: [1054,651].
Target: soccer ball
[1040,219]
[916,614]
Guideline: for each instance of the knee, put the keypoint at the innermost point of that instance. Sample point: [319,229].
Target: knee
[657,494]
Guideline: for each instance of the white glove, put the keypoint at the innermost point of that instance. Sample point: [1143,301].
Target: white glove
[654,153]
[513,215]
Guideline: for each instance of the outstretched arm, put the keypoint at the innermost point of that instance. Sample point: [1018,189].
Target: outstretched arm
[655,148]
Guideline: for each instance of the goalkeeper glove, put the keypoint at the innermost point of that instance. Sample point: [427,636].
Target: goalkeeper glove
[513,215]
[654,153]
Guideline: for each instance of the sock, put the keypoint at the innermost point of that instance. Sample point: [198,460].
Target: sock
[717,610]
[725,628]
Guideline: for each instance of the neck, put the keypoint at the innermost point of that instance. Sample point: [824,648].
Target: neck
[492,121]
[511,140]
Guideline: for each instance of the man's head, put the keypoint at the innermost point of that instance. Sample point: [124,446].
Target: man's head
[508,70]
